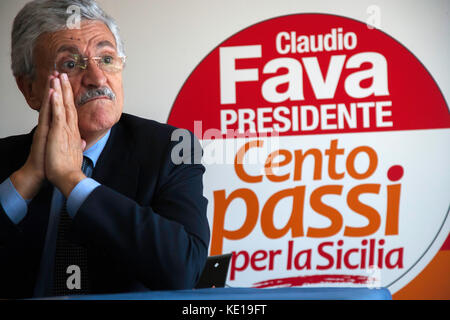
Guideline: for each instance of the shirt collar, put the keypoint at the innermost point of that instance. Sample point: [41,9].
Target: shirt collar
[93,153]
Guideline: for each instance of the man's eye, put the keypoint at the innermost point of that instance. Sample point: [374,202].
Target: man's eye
[107,59]
[69,64]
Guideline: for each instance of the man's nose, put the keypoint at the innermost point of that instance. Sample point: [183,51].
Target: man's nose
[93,76]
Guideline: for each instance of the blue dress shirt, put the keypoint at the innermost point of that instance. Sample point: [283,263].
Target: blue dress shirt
[16,209]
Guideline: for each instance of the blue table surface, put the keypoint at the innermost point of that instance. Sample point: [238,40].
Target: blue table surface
[247,294]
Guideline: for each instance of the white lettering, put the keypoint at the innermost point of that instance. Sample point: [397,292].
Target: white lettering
[378,74]
[324,89]
[293,78]
[229,75]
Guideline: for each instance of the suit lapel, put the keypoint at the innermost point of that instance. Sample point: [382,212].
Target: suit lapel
[117,166]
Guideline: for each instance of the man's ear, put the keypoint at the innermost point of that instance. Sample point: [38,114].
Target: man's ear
[25,85]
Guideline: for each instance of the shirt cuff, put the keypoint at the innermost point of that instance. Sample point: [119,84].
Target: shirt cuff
[12,202]
[81,191]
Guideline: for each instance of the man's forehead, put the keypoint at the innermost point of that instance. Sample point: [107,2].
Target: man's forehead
[91,34]
[72,48]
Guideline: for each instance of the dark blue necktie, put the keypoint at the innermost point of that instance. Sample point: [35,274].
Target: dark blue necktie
[71,260]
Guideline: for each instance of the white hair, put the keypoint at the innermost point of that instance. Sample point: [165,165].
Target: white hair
[41,16]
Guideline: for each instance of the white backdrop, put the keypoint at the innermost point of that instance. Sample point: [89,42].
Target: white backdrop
[165,40]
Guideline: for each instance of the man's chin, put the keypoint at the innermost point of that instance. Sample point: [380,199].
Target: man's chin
[98,120]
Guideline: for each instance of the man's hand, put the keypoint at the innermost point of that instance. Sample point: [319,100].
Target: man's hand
[28,179]
[64,151]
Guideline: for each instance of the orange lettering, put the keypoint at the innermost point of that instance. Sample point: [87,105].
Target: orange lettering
[239,159]
[299,157]
[393,203]
[332,153]
[373,162]
[221,203]
[326,211]
[295,222]
[270,164]
[370,213]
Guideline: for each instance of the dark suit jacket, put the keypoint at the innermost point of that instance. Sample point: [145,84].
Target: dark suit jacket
[144,227]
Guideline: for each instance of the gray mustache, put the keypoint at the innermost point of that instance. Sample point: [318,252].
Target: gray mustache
[92,93]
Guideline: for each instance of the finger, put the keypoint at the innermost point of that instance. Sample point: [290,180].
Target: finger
[44,112]
[71,112]
[58,110]
[83,144]
[45,117]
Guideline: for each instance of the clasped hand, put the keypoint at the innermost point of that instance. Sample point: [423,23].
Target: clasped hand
[56,153]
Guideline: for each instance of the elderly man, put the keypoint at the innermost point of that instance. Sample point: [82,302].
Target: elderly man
[91,201]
